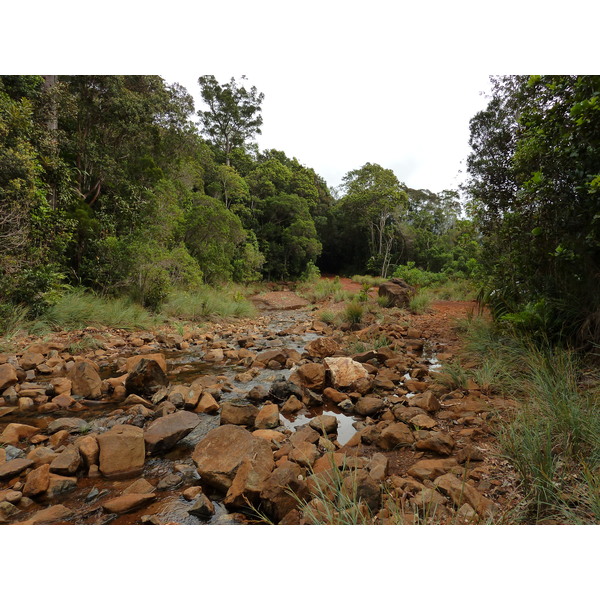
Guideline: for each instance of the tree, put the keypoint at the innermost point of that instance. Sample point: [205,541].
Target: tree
[234,113]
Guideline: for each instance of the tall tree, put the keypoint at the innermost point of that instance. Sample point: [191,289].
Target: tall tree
[233,115]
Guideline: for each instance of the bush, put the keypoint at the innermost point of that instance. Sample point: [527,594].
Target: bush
[420,302]
[353,313]
[206,302]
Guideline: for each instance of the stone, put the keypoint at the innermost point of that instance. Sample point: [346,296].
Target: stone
[219,455]
[304,454]
[191,492]
[461,492]
[139,486]
[369,406]
[122,451]
[250,478]
[207,404]
[282,489]
[127,503]
[267,417]
[13,467]
[30,360]
[7,510]
[52,514]
[37,481]
[61,385]
[304,434]
[361,486]
[334,396]
[59,485]
[271,436]
[169,482]
[422,422]
[85,380]
[67,462]
[428,501]
[67,424]
[329,461]
[427,401]
[8,376]
[468,454]
[397,291]
[59,438]
[322,347]
[292,405]
[146,378]
[132,362]
[238,414]
[258,393]
[344,372]
[309,375]
[166,431]
[26,404]
[15,432]
[203,508]
[89,449]
[11,496]
[378,466]
[431,468]
[327,423]
[395,435]
[42,456]
[440,443]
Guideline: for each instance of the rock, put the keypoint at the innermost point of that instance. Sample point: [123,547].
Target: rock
[469,453]
[431,468]
[61,385]
[63,401]
[8,376]
[378,466]
[207,404]
[26,404]
[59,485]
[122,451]
[67,462]
[15,432]
[440,443]
[335,396]
[169,482]
[427,401]
[368,406]
[30,360]
[422,422]
[166,431]
[304,454]
[139,486]
[178,394]
[361,486]
[273,437]
[327,423]
[428,501]
[322,347]
[346,405]
[132,362]
[219,455]
[12,452]
[238,414]
[398,292]
[309,375]
[281,390]
[267,417]
[13,467]
[85,381]
[257,394]
[304,434]
[59,438]
[42,456]
[292,405]
[146,378]
[344,372]
[67,424]
[395,435]
[329,462]
[461,492]
[191,492]
[89,449]
[37,481]
[127,503]
[203,508]
[282,488]
[52,514]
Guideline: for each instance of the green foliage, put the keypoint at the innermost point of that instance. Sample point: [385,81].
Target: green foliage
[420,302]
[353,313]
[206,302]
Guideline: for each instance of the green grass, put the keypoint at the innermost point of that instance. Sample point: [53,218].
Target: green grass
[353,313]
[207,302]
[420,302]
[327,316]
[86,343]
[368,280]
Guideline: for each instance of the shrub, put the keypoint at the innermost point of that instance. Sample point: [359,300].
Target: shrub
[353,313]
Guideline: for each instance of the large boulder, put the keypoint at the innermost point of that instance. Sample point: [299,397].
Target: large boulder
[165,432]
[122,452]
[398,292]
[344,372]
[322,347]
[146,378]
[221,453]
[309,375]
[132,362]
[85,381]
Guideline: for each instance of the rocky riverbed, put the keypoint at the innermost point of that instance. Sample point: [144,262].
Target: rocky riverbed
[241,422]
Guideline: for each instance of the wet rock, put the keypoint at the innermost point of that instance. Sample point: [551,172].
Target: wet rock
[431,468]
[309,375]
[13,467]
[37,481]
[219,455]
[7,510]
[146,378]
[344,372]
[292,405]
[15,432]
[440,443]
[394,436]
[132,362]
[203,508]
[322,347]
[281,390]
[52,514]
[67,424]
[85,381]
[207,404]
[8,376]
[127,503]
[238,414]
[166,431]
[169,482]
[67,462]
[276,496]
[327,423]
[191,492]
[461,492]
[267,417]
[139,486]
[122,451]
[369,405]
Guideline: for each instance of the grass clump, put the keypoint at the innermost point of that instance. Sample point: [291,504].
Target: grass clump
[207,302]
[353,313]
[369,280]
[420,302]
[327,316]
[317,291]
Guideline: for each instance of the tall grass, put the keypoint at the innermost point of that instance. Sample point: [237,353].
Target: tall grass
[208,302]
[369,280]
[317,291]
[420,302]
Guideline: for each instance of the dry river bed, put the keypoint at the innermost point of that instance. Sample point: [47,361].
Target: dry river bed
[218,425]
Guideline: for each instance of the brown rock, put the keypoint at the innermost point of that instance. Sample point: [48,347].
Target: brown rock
[66,424]
[427,401]
[15,432]
[344,372]
[249,479]
[191,492]
[52,514]
[369,405]
[431,468]
[42,456]
[292,405]
[203,508]
[422,422]
[322,347]
[122,451]
[166,431]
[361,486]
[63,401]
[440,443]
[30,360]
[378,466]
[207,404]
[139,486]
[59,438]
[67,462]
[59,485]
[304,454]
[37,481]
[132,362]
[127,503]
[335,396]
[329,462]
[238,414]
[276,496]
[146,378]
[219,455]
[273,437]
[309,375]
[326,423]
[395,435]
[267,417]
[61,385]
[85,381]
[398,292]
[8,376]
[13,467]
[461,492]
[304,434]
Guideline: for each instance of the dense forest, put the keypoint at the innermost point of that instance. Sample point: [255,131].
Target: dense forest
[107,183]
